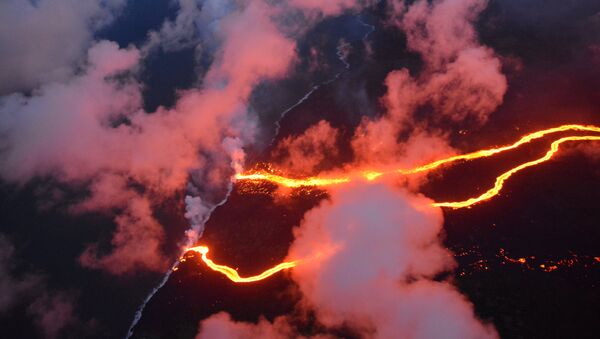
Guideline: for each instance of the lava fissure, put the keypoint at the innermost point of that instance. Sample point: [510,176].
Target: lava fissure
[371,175]
[232,274]
[504,176]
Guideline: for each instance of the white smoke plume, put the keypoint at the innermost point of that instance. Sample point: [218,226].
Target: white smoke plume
[369,261]
[91,130]
[42,40]
[87,127]
[460,80]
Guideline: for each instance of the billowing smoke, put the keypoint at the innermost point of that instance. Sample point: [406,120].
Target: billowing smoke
[83,124]
[372,253]
[221,325]
[90,130]
[42,40]
[371,258]
[460,81]
[136,242]
[459,84]
[304,154]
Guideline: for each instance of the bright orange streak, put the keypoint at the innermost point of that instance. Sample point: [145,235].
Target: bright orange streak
[290,182]
[233,274]
[373,175]
[502,178]
[489,152]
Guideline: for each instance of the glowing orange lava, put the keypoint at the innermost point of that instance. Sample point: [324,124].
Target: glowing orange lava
[504,176]
[291,182]
[372,175]
[492,151]
[232,274]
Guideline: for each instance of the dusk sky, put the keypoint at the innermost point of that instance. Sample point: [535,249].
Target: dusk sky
[299,169]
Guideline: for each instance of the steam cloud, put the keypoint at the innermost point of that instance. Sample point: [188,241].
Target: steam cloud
[37,47]
[369,259]
[303,154]
[461,79]
[83,124]
[90,130]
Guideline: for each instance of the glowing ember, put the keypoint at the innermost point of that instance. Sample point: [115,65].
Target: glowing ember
[232,274]
[530,263]
[520,261]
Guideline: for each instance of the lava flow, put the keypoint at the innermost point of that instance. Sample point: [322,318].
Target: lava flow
[492,151]
[504,176]
[232,274]
[374,174]
[291,182]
